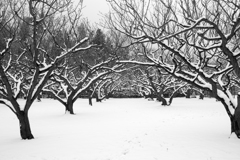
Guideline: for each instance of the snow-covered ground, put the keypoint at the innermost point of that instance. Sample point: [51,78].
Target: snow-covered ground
[122,129]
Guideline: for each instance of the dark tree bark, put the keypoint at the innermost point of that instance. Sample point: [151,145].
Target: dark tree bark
[69,106]
[39,98]
[98,99]
[25,129]
[160,98]
[106,93]
[236,119]
[171,98]
[201,96]
[188,95]
[90,100]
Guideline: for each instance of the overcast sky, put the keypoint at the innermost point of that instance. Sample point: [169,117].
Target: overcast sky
[93,9]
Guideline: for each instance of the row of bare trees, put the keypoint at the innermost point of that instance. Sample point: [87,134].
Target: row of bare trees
[46,47]
[195,41]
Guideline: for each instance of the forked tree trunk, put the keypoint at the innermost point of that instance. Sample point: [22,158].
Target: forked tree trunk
[25,129]
[171,98]
[160,98]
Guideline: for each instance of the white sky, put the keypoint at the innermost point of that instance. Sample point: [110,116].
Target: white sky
[93,9]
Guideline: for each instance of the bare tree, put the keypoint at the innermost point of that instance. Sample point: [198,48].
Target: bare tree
[200,37]
[71,86]
[103,87]
[36,59]
[158,83]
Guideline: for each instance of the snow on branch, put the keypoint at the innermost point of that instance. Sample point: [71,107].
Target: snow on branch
[8,105]
[7,48]
[17,82]
[137,62]
[94,79]
[8,64]
[76,48]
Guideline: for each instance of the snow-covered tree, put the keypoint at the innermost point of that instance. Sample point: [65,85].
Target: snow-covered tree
[200,37]
[65,82]
[103,88]
[35,59]
[157,84]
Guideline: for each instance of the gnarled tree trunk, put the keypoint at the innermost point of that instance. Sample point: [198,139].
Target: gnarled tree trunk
[25,129]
